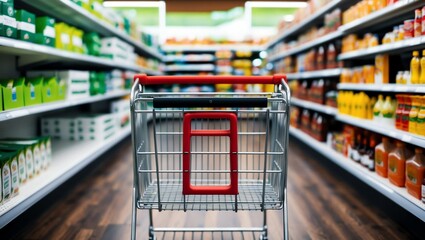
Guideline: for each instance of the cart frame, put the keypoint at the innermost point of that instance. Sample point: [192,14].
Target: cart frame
[149,184]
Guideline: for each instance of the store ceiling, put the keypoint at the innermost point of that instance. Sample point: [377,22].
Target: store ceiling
[206,5]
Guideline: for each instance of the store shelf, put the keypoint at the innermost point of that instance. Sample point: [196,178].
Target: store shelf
[71,13]
[45,107]
[190,58]
[417,43]
[34,53]
[190,68]
[387,14]
[307,23]
[212,48]
[313,106]
[65,164]
[396,88]
[383,129]
[327,73]
[306,46]
[382,185]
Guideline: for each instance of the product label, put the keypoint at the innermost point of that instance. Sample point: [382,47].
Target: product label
[49,152]
[43,156]
[14,97]
[65,38]
[24,26]
[411,174]
[379,158]
[32,91]
[9,21]
[14,175]
[30,163]
[37,160]
[76,41]
[6,181]
[22,168]
[49,32]
[392,166]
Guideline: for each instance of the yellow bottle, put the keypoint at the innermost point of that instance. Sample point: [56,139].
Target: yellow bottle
[388,111]
[371,105]
[422,76]
[415,68]
[420,121]
[378,108]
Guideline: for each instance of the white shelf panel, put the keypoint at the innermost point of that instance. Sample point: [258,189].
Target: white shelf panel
[382,185]
[383,129]
[306,46]
[391,48]
[45,107]
[313,106]
[336,72]
[190,68]
[211,48]
[65,164]
[388,13]
[190,58]
[75,15]
[397,88]
[304,25]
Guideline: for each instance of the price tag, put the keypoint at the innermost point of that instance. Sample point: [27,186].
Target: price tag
[406,138]
[387,88]
[420,89]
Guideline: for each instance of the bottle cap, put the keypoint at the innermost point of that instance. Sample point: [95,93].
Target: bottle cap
[415,53]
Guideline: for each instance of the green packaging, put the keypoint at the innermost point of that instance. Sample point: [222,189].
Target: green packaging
[13,93]
[93,43]
[45,31]
[1,98]
[61,89]
[25,25]
[33,91]
[50,89]
[33,154]
[10,170]
[8,27]
[6,175]
[19,151]
[63,36]
[77,40]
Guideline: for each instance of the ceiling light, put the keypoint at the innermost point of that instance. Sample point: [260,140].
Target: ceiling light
[134,4]
[283,4]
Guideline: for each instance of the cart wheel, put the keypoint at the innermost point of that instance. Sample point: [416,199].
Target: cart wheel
[263,237]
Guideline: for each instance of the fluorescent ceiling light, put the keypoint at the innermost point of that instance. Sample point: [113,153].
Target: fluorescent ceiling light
[283,4]
[134,4]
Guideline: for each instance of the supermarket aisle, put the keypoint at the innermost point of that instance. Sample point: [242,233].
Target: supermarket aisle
[322,206]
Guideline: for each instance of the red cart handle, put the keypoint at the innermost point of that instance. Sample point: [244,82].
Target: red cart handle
[161,80]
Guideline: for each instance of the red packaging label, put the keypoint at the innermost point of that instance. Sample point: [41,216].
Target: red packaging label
[409,28]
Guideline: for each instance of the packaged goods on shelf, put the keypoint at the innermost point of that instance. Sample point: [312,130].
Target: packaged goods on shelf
[76,36]
[13,93]
[312,123]
[370,74]
[53,88]
[8,24]
[45,31]
[18,153]
[121,109]
[362,9]
[117,50]
[63,37]
[93,43]
[314,91]
[25,25]
[33,91]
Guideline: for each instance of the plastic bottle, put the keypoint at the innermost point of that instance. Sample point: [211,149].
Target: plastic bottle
[413,114]
[417,25]
[364,157]
[420,121]
[357,146]
[381,157]
[406,113]
[331,57]
[399,78]
[371,153]
[387,112]
[406,77]
[399,111]
[423,21]
[378,108]
[397,164]
[400,36]
[422,63]
[415,172]
[415,68]
[321,58]
[372,102]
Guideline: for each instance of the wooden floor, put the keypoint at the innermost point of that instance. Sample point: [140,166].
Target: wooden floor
[322,205]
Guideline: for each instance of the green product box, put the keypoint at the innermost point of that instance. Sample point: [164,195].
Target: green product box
[101,77]
[94,84]
[62,89]
[63,36]
[50,89]
[45,31]
[1,98]
[33,91]
[13,93]
[93,43]
[25,25]
[21,158]
[12,164]
[8,28]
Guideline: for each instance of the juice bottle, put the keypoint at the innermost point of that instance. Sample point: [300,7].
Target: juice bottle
[422,61]
[321,58]
[406,77]
[415,172]
[378,108]
[400,36]
[397,164]
[363,149]
[420,121]
[406,113]
[417,25]
[413,114]
[415,68]
[399,78]
[399,111]
[355,154]
[423,20]
[387,112]
[381,157]
[372,102]
[331,57]
[371,153]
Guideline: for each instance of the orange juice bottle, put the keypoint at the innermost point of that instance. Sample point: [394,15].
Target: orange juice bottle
[415,68]
[413,114]
[415,172]
[381,156]
[420,120]
[422,63]
[397,164]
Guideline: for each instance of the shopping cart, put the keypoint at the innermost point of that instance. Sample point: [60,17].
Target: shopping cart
[209,151]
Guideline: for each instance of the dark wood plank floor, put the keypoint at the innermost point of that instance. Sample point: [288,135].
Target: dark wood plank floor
[322,205]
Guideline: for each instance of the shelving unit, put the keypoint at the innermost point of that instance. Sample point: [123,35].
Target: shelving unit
[190,58]
[308,22]
[73,14]
[211,48]
[383,129]
[306,46]
[46,107]
[391,48]
[65,164]
[385,15]
[190,68]
[382,185]
[395,88]
[315,74]
[314,106]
